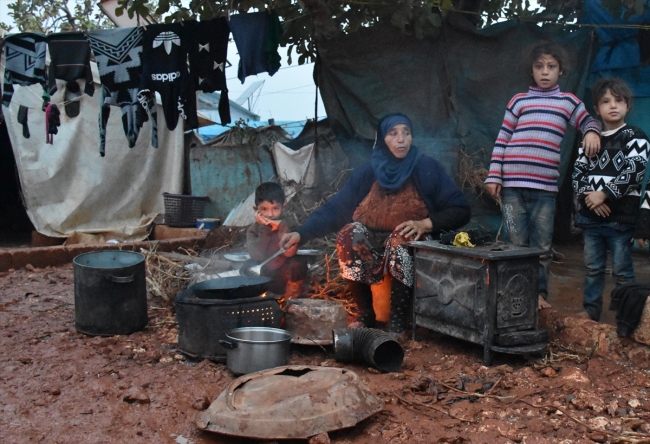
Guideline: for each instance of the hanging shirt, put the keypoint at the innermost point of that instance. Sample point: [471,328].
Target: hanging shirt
[118,55]
[207,43]
[164,70]
[24,63]
[257,36]
[69,60]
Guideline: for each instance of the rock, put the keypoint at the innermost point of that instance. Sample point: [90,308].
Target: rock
[323,438]
[597,437]
[574,377]
[548,372]
[136,395]
[30,267]
[201,403]
[640,356]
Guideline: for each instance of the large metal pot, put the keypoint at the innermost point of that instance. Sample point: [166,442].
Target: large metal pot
[251,349]
[110,292]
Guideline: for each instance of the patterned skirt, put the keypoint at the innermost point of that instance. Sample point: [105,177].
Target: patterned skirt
[366,256]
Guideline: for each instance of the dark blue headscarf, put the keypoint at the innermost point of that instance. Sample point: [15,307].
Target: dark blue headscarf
[391,172]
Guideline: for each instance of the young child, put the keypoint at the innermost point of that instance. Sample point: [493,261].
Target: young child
[263,239]
[608,189]
[524,168]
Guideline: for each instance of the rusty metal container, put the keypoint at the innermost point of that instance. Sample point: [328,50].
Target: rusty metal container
[311,321]
[487,295]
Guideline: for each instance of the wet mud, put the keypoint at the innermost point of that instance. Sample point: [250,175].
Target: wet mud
[60,386]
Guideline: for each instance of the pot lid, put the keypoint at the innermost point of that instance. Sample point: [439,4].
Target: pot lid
[290,402]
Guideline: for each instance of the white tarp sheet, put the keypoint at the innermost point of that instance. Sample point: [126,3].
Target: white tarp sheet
[68,187]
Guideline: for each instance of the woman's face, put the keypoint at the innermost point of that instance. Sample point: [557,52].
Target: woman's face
[398,140]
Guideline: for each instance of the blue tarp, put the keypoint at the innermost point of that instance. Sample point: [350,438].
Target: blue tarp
[619,52]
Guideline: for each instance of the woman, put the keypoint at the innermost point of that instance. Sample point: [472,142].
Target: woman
[400,195]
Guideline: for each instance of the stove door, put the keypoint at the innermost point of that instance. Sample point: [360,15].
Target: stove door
[451,290]
[517,293]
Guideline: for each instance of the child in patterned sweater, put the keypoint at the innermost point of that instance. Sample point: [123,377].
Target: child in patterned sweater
[608,187]
[524,168]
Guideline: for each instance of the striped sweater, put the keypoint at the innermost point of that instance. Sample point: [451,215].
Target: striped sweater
[527,150]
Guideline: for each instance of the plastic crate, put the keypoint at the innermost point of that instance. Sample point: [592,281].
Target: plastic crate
[182,210]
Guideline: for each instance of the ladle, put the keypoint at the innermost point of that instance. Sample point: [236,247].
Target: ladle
[257,269]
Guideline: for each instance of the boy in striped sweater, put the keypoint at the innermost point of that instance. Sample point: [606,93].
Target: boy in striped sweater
[524,168]
[608,187]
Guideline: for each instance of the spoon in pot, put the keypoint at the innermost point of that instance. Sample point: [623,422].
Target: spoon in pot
[257,269]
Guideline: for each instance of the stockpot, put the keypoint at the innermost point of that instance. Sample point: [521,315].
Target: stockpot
[251,349]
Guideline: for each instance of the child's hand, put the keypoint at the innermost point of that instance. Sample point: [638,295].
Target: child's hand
[263,220]
[594,199]
[591,143]
[494,189]
[641,243]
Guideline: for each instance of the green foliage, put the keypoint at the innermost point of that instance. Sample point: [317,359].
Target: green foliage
[56,16]
[302,20]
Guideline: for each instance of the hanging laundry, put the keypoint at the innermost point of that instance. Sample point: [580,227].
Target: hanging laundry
[52,122]
[22,119]
[69,61]
[207,43]
[257,36]
[24,63]
[164,69]
[118,55]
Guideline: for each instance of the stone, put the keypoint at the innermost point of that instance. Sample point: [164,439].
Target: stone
[136,395]
[322,438]
[201,403]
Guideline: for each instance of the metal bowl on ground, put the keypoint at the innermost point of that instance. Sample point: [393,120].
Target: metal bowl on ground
[237,259]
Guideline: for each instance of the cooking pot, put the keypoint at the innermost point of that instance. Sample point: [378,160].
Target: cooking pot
[233,287]
[251,349]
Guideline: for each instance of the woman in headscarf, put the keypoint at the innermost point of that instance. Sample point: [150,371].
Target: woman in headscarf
[400,195]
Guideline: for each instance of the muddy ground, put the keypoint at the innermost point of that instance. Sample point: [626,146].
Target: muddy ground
[60,386]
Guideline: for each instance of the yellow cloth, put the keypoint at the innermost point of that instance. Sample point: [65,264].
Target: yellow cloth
[462,240]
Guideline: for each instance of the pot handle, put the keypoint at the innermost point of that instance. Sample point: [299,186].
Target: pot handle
[227,344]
[122,279]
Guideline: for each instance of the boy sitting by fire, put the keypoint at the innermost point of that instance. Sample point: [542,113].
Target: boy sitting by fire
[263,239]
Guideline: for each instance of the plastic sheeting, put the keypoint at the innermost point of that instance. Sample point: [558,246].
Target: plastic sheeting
[67,187]
[454,88]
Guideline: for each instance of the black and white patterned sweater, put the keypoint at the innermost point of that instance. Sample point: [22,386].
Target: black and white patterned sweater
[618,171]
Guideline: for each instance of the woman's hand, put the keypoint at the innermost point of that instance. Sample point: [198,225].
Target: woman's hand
[494,189]
[414,229]
[591,143]
[290,241]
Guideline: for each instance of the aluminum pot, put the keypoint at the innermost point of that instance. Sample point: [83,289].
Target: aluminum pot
[251,349]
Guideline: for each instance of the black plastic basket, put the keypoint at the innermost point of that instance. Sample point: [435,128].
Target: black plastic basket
[182,210]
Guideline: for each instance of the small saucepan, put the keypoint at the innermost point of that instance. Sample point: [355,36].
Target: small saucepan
[251,349]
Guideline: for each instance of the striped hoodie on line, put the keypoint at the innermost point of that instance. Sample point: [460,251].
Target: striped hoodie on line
[527,150]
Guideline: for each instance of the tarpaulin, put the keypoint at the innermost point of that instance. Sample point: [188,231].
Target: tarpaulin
[623,50]
[454,87]
[67,187]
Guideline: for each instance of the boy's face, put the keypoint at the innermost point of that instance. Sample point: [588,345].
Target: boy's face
[270,210]
[546,71]
[612,110]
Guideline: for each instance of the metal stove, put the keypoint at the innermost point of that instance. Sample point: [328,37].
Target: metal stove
[486,295]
